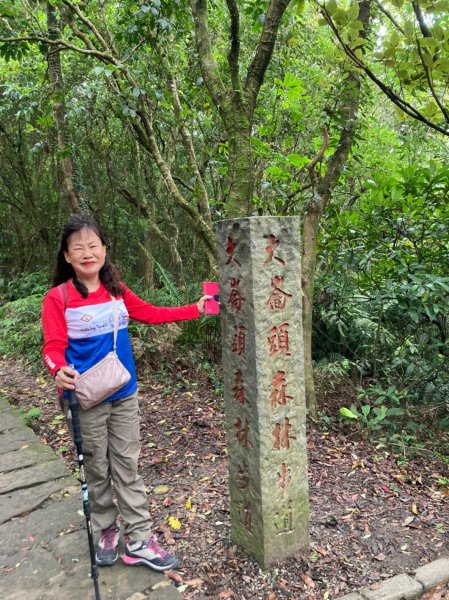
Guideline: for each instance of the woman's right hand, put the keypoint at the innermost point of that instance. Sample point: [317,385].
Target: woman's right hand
[66,377]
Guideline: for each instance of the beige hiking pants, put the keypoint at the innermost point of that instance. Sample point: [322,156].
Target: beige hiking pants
[111,446]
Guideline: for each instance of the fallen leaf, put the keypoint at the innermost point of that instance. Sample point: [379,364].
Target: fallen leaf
[174,522]
[174,576]
[161,489]
[358,464]
[194,582]
[307,580]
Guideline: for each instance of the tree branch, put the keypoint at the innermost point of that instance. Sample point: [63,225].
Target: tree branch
[264,50]
[103,56]
[234,51]
[440,105]
[88,23]
[198,222]
[389,16]
[319,156]
[208,65]
[420,18]
[405,106]
[202,196]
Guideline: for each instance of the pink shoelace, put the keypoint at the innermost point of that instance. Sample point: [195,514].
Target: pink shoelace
[154,545]
[108,537]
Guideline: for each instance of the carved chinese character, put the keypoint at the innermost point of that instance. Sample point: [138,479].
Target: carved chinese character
[284,477]
[278,340]
[283,520]
[230,249]
[238,389]
[278,394]
[273,245]
[243,476]
[278,298]
[282,437]
[235,299]
[245,516]
[238,339]
[242,432]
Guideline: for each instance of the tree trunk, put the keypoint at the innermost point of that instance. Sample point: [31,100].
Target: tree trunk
[309,242]
[240,180]
[57,89]
[322,189]
[148,269]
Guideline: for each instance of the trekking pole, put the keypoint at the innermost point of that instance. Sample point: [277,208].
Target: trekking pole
[74,409]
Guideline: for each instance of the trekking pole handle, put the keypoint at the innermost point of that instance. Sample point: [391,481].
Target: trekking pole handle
[74,409]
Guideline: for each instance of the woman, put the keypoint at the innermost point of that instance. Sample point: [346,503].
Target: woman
[77,324]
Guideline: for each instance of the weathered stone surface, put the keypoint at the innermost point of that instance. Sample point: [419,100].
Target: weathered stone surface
[167,593]
[4,404]
[16,439]
[58,539]
[10,420]
[260,275]
[351,596]
[72,552]
[434,573]
[25,457]
[21,501]
[41,525]
[400,587]
[31,570]
[44,549]
[33,475]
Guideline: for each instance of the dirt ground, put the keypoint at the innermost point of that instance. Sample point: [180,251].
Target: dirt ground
[372,514]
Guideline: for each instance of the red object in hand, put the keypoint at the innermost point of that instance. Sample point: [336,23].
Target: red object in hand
[212,306]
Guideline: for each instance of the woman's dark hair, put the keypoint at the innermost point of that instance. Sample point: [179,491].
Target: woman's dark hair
[64,270]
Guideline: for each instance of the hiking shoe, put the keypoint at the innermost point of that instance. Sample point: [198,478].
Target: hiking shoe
[107,552]
[149,553]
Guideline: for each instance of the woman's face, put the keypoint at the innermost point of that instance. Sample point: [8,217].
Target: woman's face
[86,254]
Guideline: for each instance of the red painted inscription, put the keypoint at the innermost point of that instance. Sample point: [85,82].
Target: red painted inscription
[279,392]
[236,299]
[278,297]
[281,436]
[238,339]
[238,389]
[278,340]
[271,250]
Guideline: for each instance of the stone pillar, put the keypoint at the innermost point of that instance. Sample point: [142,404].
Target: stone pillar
[263,364]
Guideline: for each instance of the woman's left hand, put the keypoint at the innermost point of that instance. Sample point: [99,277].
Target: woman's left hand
[201,302]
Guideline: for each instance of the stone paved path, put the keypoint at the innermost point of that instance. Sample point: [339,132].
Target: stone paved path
[43,541]
[44,553]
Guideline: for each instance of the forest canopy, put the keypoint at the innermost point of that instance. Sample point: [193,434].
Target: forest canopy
[163,117]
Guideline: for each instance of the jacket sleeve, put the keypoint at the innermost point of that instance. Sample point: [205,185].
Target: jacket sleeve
[145,312]
[54,328]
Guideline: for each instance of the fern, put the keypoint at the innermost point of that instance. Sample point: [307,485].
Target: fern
[171,290]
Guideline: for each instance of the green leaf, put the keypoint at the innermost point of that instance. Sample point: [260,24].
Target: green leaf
[353,12]
[366,409]
[331,6]
[297,160]
[348,414]
[340,16]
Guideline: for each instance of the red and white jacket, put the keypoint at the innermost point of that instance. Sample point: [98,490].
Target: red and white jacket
[79,331]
